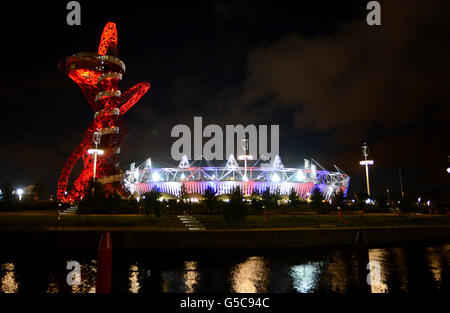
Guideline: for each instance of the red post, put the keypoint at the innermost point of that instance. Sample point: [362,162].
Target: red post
[104,264]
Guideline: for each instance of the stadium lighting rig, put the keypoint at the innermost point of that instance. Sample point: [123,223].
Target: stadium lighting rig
[366,163]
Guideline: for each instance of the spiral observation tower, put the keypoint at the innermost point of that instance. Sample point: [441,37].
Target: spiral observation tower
[193,179]
[98,75]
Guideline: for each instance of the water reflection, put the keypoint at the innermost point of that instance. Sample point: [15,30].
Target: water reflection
[134,280]
[340,271]
[191,276]
[402,269]
[170,282]
[9,283]
[88,278]
[250,276]
[398,266]
[304,276]
[434,262]
[378,277]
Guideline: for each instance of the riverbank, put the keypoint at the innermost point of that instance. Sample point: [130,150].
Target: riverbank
[32,221]
[136,238]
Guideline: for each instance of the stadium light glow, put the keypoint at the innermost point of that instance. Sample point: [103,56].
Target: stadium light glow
[275,178]
[155,176]
[300,175]
[369,201]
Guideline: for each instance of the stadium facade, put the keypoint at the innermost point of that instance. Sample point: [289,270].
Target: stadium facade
[196,177]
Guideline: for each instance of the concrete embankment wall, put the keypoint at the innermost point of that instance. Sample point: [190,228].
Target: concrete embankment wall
[212,240]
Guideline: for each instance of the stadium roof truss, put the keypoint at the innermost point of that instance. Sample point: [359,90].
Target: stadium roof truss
[196,179]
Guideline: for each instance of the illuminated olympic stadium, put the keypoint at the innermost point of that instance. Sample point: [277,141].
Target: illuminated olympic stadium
[196,177]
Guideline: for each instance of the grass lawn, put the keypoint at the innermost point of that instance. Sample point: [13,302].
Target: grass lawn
[39,222]
[286,221]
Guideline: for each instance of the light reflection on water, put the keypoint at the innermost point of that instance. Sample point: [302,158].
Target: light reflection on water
[340,271]
[378,275]
[250,276]
[305,277]
[434,261]
[402,269]
[9,283]
[134,281]
[88,278]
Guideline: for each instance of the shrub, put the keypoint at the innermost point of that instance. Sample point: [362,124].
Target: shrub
[236,210]
[151,203]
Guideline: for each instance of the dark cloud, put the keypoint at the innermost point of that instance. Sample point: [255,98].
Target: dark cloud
[359,75]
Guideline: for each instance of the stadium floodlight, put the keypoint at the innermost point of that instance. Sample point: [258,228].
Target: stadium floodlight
[246,156]
[300,175]
[155,176]
[275,178]
[366,163]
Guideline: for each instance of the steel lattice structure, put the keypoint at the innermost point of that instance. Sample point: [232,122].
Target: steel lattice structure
[195,179]
[98,75]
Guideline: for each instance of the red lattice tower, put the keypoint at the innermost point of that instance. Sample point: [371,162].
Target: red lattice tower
[98,76]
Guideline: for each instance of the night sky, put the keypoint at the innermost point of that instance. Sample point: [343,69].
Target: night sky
[313,67]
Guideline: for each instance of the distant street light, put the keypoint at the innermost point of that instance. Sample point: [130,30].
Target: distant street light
[366,163]
[20,193]
[401,182]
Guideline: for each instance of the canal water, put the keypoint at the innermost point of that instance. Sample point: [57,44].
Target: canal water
[394,269]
